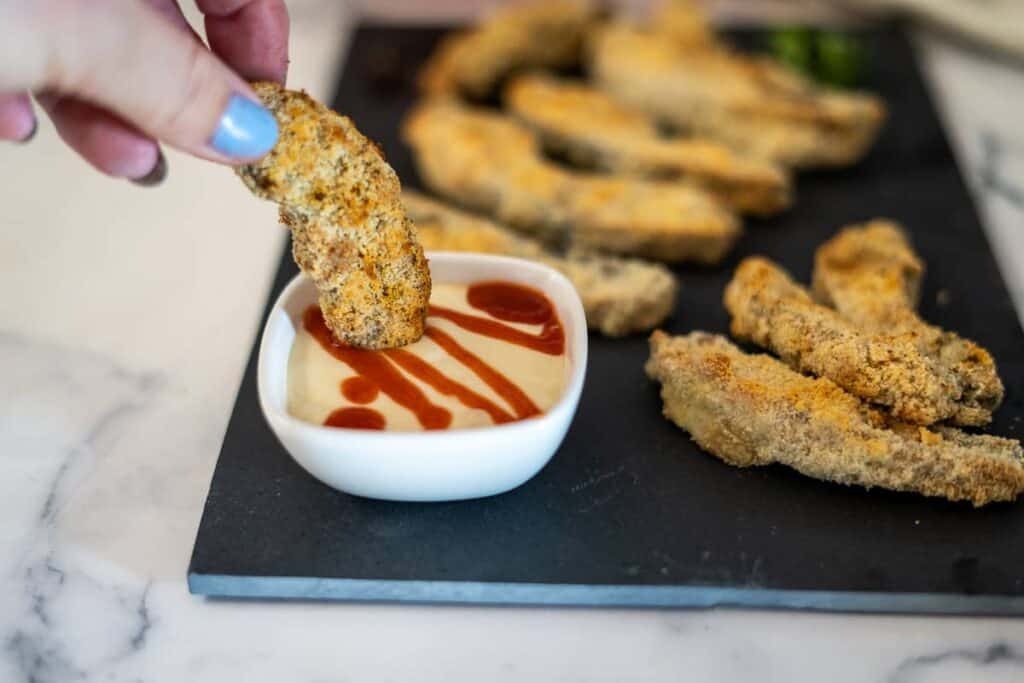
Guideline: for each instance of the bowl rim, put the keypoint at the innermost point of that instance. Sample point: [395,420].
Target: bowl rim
[281,418]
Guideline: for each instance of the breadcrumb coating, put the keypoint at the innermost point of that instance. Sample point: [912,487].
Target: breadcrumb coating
[772,311]
[350,234]
[591,128]
[536,34]
[493,164]
[620,295]
[751,409]
[685,22]
[872,277]
[752,104]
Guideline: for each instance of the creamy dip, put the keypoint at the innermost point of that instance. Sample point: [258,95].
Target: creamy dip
[493,352]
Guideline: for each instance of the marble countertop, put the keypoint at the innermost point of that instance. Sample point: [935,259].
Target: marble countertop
[126,316]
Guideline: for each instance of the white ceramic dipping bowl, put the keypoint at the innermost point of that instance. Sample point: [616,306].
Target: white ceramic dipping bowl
[425,466]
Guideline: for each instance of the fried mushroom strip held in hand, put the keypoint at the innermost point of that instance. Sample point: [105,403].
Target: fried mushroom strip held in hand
[870,274]
[591,128]
[537,34]
[350,234]
[491,163]
[750,409]
[772,311]
[620,296]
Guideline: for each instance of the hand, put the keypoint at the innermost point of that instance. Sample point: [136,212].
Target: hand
[116,76]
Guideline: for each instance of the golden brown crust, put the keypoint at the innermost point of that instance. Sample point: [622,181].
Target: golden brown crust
[774,312]
[492,164]
[753,410]
[751,104]
[870,274]
[686,23]
[350,233]
[486,162]
[593,129]
[443,227]
[537,34]
[620,296]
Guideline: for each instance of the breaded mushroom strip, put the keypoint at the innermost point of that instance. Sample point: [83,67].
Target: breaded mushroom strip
[620,295]
[752,105]
[593,129]
[684,22]
[489,163]
[537,34]
[750,409]
[774,312]
[870,274]
[350,234]
[493,164]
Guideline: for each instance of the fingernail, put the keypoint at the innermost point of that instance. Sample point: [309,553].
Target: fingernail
[246,130]
[31,134]
[157,175]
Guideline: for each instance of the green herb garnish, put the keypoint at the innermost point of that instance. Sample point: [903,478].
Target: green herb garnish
[832,58]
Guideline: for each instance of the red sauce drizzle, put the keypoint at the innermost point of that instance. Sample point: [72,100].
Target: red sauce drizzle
[358,389]
[550,340]
[502,386]
[378,369]
[427,373]
[356,418]
[511,302]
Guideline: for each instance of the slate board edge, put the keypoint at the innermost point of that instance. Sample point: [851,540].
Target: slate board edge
[565,595]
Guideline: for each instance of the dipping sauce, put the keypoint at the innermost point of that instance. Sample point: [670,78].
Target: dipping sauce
[492,353]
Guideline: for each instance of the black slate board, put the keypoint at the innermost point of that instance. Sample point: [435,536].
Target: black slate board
[630,512]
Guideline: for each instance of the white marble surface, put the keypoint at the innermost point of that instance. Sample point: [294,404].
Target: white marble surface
[126,316]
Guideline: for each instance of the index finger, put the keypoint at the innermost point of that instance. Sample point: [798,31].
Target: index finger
[251,36]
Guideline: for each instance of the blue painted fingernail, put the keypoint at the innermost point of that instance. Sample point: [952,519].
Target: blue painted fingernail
[246,130]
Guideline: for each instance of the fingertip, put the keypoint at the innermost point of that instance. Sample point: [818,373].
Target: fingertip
[17,120]
[251,36]
[128,159]
[27,138]
[157,175]
[109,144]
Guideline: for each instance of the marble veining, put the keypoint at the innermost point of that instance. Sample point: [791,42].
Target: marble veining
[44,590]
[112,408]
[972,663]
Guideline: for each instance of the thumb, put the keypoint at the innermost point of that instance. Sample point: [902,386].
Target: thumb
[127,58]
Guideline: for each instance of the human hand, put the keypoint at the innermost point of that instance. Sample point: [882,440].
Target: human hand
[116,76]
